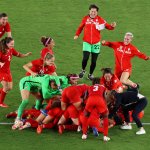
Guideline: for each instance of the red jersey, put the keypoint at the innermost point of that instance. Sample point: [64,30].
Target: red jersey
[124,54]
[73,93]
[4,29]
[96,90]
[114,83]
[5,60]
[44,51]
[91,31]
[39,68]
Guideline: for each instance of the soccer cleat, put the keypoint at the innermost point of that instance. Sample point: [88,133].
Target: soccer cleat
[79,129]
[18,123]
[27,125]
[106,138]
[81,74]
[39,129]
[95,131]
[4,105]
[141,131]
[126,127]
[90,76]
[60,129]
[84,136]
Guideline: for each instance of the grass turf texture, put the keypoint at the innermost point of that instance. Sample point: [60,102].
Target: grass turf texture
[30,20]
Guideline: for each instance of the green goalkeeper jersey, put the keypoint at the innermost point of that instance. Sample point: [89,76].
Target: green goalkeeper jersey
[40,83]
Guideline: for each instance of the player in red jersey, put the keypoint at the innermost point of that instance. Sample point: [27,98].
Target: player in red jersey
[70,113]
[45,65]
[92,25]
[124,52]
[6,52]
[4,25]
[96,101]
[72,95]
[48,43]
[110,80]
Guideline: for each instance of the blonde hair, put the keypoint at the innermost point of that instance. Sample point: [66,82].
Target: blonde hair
[129,33]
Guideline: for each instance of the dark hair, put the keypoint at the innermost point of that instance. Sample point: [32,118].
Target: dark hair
[49,56]
[95,80]
[3,15]
[46,40]
[4,42]
[52,81]
[93,6]
[106,70]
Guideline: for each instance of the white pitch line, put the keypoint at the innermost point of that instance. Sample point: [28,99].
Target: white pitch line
[145,123]
[9,123]
[6,123]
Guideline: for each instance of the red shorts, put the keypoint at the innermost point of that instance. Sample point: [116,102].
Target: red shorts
[55,112]
[5,77]
[71,96]
[96,102]
[71,112]
[118,72]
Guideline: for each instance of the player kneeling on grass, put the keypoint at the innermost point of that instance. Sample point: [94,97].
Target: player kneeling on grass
[45,85]
[129,101]
[96,101]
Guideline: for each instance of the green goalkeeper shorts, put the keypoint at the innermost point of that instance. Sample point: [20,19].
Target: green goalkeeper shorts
[25,85]
[92,48]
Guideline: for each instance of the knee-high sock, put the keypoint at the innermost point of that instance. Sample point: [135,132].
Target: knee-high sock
[22,107]
[105,124]
[38,104]
[84,124]
[2,96]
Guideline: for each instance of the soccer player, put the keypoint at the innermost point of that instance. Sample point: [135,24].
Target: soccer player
[92,25]
[72,96]
[96,101]
[129,101]
[6,52]
[4,25]
[110,80]
[124,52]
[42,66]
[48,43]
[35,85]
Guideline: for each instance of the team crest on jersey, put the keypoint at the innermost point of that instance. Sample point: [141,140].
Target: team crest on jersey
[120,49]
[128,51]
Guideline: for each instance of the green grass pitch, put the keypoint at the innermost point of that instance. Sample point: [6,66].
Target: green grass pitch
[30,19]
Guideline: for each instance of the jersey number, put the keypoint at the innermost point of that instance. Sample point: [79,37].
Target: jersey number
[96,46]
[95,88]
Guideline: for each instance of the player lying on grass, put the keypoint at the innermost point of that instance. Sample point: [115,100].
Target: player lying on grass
[42,84]
[48,117]
[129,101]
[124,52]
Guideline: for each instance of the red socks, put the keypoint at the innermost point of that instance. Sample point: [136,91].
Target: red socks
[2,96]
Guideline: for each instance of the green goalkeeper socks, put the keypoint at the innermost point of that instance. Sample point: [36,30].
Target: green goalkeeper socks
[38,104]
[22,108]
